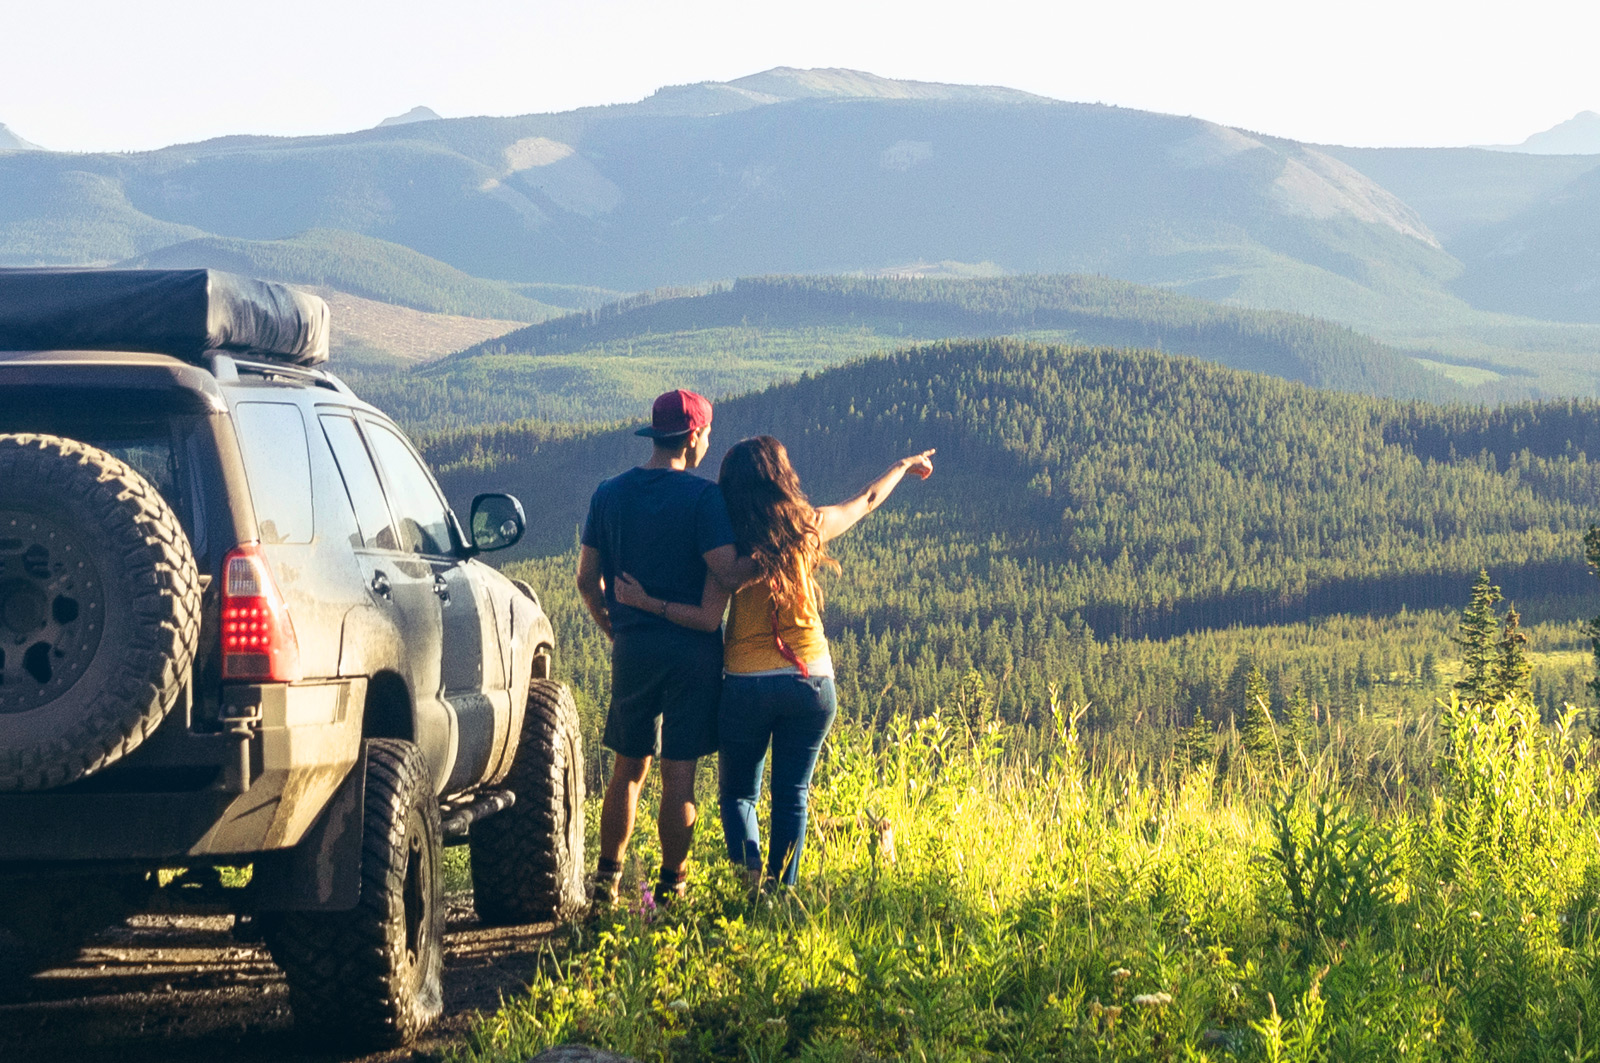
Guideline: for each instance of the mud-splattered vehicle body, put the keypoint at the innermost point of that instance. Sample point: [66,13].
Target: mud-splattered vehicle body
[240,626]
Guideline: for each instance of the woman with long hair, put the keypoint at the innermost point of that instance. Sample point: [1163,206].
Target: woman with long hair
[777,688]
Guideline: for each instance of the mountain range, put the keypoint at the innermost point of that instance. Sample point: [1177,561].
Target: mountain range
[837,171]
[9,141]
[1578,135]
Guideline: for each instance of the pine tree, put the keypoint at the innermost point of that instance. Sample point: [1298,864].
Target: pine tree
[1477,637]
[1511,670]
[1591,551]
[1259,735]
[1199,740]
[1428,676]
[1300,724]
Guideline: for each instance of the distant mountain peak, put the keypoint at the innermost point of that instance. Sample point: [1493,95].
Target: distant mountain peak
[793,83]
[9,141]
[1578,135]
[416,114]
[783,84]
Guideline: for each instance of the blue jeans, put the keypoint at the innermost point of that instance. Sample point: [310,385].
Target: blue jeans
[793,715]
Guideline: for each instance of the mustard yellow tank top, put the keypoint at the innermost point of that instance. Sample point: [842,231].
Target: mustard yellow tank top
[748,645]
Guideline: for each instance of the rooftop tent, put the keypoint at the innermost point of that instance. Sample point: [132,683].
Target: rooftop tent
[182,312]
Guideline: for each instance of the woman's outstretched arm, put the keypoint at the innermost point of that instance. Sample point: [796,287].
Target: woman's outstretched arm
[707,616]
[834,521]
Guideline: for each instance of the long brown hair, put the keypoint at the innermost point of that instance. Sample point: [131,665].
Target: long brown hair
[772,519]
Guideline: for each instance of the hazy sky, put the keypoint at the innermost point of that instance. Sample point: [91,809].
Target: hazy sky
[130,74]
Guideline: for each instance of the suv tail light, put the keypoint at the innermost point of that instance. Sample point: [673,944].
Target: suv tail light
[258,640]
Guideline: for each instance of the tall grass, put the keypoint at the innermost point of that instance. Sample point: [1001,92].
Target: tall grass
[978,892]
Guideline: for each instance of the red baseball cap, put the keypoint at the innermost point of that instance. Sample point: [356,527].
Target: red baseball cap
[677,413]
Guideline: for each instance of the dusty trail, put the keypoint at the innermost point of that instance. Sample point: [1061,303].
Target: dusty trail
[179,989]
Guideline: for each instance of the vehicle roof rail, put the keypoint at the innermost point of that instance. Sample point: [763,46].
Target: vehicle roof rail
[315,377]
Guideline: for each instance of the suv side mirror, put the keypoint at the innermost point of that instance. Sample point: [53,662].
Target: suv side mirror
[497,522]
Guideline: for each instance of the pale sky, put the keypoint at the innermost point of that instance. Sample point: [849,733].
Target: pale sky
[93,75]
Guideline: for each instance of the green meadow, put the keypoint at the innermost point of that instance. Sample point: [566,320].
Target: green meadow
[980,891]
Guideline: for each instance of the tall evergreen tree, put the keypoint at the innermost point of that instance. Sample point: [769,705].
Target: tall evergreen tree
[1299,722]
[1259,733]
[1478,636]
[1428,675]
[1591,552]
[1511,671]
[1199,740]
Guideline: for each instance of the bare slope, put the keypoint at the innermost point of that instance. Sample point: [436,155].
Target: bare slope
[373,268]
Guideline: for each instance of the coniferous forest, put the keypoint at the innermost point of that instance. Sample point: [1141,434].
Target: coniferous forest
[1135,529]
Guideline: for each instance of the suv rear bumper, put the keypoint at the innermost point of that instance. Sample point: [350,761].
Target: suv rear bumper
[305,742]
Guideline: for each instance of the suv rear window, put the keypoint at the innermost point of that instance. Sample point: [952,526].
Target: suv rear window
[272,437]
[151,447]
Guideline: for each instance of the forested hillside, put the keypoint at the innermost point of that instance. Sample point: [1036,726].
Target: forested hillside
[608,363]
[1148,494]
[1087,499]
[1102,310]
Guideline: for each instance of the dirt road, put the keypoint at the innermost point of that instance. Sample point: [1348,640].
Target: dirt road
[176,989]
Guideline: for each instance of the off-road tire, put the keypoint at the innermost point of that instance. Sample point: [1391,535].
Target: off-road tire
[372,978]
[527,862]
[82,533]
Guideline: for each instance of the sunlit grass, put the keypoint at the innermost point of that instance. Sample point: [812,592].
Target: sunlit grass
[986,894]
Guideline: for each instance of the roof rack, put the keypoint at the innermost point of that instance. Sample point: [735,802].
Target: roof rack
[316,377]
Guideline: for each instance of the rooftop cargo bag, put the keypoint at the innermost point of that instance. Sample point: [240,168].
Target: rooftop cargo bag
[182,312]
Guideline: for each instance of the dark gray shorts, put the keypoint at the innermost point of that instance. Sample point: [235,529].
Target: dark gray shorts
[665,684]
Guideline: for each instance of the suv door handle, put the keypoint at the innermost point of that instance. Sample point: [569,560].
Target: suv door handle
[441,587]
[380,584]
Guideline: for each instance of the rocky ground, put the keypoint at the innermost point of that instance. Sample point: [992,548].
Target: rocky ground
[180,989]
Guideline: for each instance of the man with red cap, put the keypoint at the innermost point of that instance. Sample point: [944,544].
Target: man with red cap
[667,528]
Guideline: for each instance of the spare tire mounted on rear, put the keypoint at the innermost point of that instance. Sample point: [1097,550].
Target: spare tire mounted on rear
[99,610]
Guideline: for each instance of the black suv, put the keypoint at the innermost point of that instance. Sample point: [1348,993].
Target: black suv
[239,625]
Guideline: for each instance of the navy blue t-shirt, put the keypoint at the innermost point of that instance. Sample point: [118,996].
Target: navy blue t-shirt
[655,524]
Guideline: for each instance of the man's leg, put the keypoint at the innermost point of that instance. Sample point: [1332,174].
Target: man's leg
[677,818]
[688,732]
[633,733]
[617,815]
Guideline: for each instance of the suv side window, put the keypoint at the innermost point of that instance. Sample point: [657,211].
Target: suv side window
[424,521]
[360,483]
[272,437]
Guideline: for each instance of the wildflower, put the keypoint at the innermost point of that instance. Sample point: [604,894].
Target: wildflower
[1475,915]
[1121,974]
[1153,1000]
[680,1005]
[1527,918]
[779,1021]
[1112,1013]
